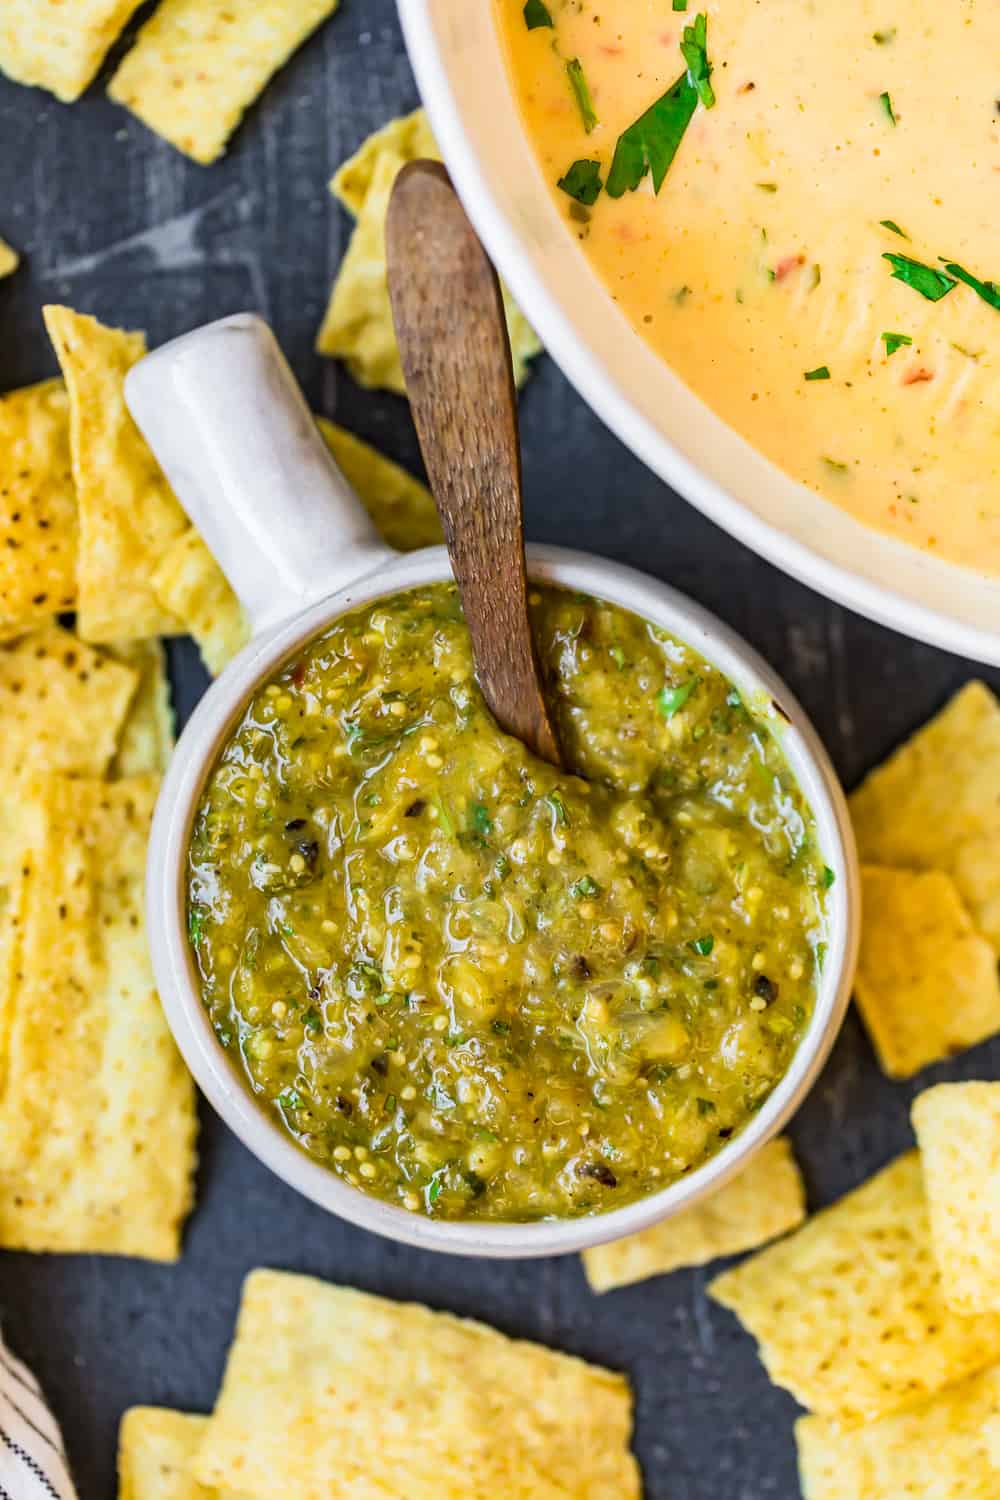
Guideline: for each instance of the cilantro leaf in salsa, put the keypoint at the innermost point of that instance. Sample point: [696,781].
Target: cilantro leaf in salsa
[886,104]
[703,944]
[670,700]
[894,341]
[479,820]
[926,280]
[581,89]
[694,50]
[582,181]
[988,290]
[536,14]
[821,372]
[650,143]
[680,4]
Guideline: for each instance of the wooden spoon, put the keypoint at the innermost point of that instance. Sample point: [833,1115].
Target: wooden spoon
[453,343]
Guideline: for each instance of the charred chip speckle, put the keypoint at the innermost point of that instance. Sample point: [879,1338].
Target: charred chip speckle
[380,1064]
[600,1172]
[765,989]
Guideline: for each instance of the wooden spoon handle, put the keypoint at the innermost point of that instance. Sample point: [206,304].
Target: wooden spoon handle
[455,352]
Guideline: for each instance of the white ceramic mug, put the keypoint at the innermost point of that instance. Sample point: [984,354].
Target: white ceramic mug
[229,425]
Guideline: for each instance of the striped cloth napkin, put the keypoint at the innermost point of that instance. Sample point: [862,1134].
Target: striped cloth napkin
[33,1463]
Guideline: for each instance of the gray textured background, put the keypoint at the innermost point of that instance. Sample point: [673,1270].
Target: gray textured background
[114,221]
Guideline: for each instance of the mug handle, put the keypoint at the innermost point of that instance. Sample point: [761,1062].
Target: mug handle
[229,425]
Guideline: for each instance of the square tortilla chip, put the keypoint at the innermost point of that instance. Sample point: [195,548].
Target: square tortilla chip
[938,1449]
[146,740]
[849,1311]
[198,65]
[935,803]
[190,585]
[330,1392]
[128,512]
[765,1200]
[97,1117]
[958,1131]
[155,1450]
[358,326]
[37,506]
[927,984]
[402,508]
[56,46]
[9,259]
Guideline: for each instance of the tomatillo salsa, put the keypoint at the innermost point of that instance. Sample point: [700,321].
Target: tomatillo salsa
[480,987]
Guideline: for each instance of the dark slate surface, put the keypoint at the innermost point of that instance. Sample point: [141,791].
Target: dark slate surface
[112,220]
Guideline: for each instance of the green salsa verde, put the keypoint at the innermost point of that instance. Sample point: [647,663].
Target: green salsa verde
[478,986]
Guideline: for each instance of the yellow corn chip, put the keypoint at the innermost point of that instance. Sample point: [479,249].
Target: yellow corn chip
[935,803]
[938,1450]
[764,1201]
[848,1310]
[97,1119]
[331,1393]
[155,1451]
[128,512]
[146,740]
[9,259]
[37,506]
[358,324]
[190,584]
[56,46]
[958,1131]
[402,508]
[62,705]
[927,983]
[199,64]
[991,1437]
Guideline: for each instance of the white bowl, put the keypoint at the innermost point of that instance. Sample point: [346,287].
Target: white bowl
[230,428]
[457,58]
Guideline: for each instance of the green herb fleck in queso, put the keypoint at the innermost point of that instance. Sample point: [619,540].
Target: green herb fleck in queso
[480,987]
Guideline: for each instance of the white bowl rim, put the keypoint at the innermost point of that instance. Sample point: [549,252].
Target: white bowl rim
[197,751]
[875,601]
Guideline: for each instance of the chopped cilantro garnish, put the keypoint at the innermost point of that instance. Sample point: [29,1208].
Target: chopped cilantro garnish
[929,282]
[680,5]
[311,1019]
[891,224]
[480,820]
[617,656]
[558,806]
[650,143]
[828,877]
[820,956]
[670,700]
[581,90]
[536,14]
[894,341]
[434,1191]
[196,924]
[585,886]
[703,944]
[694,50]
[390,1104]
[988,290]
[821,372]
[290,1099]
[582,182]
[886,104]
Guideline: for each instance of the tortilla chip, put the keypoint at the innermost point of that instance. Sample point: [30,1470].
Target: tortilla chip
[37,506]
[198,65]
[9,259]
[190,584]
[927,984]
[935,804]
[937,1450]
[62,705]
[155,1451]
[402,508]
[331,1392]
[358,325]
[128,512]
[97,1118]
[958,1131]
[146,740]
[56,46]
[765,1200]
[848,1310]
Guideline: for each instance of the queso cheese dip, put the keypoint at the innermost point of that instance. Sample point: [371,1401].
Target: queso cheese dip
[480,987]
[824,138]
